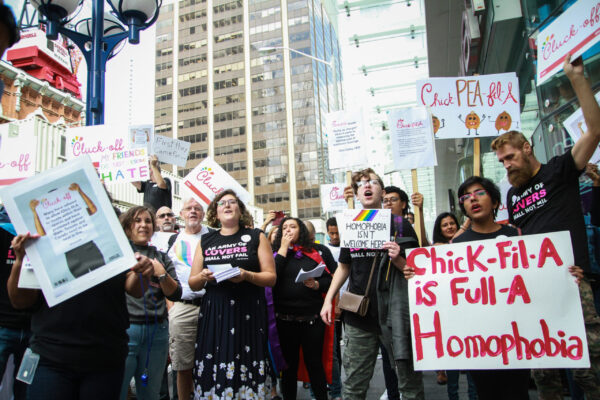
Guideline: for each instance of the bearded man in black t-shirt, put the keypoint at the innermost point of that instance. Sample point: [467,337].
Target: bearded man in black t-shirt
[545,198]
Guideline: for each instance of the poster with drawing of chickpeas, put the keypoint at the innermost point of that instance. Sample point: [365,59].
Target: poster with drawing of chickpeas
[471,106]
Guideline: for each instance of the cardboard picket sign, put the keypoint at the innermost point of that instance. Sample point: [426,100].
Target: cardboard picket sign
[473,106]
[411,134]
[576,127]
[81,241]
[346,140]
[503,303]
[208,179]
[364,229]
[171,151]
[17,153]
[332,197]
[574,31]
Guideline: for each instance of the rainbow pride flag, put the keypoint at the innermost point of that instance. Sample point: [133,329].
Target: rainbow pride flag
[366,215]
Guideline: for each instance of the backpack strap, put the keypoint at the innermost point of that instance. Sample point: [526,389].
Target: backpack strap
[171,241]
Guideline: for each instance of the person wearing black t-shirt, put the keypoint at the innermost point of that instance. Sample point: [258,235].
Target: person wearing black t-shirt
[157,190]
[545,198]
[82,342]
[363,334]
[14,324]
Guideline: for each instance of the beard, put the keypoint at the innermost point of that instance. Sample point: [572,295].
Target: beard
[519,177]
[167,227]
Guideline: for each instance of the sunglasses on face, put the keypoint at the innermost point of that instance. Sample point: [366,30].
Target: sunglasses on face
[165,215]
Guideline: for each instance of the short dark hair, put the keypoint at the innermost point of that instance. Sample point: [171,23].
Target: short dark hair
[128,217]
[331,222]
[438,237]
[401,193]
[211,211]
[303,237]
[490,187]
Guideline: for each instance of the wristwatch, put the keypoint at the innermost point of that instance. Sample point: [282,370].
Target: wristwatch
[162,277]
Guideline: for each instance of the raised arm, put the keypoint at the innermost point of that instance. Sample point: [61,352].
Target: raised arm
[20,298]
[158,178]
[583,150]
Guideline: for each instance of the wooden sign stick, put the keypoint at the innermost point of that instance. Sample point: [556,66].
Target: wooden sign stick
[417,211]
[348,183]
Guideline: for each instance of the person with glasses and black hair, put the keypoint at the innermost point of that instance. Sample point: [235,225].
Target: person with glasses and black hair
[396,200]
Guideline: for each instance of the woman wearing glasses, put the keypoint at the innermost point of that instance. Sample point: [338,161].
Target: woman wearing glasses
[232,357]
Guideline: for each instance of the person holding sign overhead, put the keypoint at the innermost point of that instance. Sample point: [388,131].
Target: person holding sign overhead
[545,198]
[157,190]
[297,306]
[364,332]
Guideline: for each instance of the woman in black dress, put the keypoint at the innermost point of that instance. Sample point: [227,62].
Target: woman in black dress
[297,307]
[232,356]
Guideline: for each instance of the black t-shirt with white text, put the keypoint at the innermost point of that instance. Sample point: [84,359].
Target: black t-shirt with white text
[156,197]
[550,202]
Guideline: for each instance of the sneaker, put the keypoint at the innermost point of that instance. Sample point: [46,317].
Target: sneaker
[384,396]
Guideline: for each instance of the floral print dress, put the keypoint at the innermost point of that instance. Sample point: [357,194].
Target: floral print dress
[232,356]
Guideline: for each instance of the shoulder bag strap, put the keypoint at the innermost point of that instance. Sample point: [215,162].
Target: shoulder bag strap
[371,274]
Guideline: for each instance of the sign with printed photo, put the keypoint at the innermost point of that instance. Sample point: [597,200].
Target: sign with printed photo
[574,31]
[364,229]
[81,241]
[503,303]
[576,127]
[471,106]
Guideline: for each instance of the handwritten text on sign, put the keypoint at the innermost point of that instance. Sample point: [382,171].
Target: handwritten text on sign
[171,151]
[500,303]
[364,229]
[411,134]
[574,31]
[124,166]
[462,107]
[332,197]
[17,153]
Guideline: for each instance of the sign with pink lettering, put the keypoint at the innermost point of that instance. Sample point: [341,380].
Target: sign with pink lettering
[574,31]
[472,106]
[346,140]
[502,303]
[332,197]
[411,133]
[81,241]
[113,151]
[17,153]
[208,179]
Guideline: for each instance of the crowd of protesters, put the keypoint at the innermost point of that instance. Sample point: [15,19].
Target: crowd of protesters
[238,337]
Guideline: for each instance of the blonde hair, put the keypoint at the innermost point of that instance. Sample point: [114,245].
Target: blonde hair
[514,138]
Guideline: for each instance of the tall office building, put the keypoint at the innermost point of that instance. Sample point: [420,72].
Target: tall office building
[227,82]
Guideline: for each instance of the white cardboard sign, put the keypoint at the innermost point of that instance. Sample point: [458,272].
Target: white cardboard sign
[171,151]
[332,197]
[411,133]
[208,179]
[364,229]
[503,303]
[468,107]
[576,127]
[574,31]
[346,140]
[17,153]
[95,248]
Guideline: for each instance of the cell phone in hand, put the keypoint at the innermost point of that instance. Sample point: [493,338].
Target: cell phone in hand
[279,216]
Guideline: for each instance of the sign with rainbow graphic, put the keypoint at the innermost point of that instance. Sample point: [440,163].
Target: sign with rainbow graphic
[364,229]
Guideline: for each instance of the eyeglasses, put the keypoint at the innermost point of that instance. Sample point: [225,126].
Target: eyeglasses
[223,203]
[390,200]
[478,193]
[371,182]
[188,209]
[165,215]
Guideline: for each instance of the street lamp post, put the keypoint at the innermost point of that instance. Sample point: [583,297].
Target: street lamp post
[98,43]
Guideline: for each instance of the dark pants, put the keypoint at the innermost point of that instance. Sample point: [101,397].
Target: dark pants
[308,335]
[57,382]
[389,375]
[502,384]
[13,341]
[452,387]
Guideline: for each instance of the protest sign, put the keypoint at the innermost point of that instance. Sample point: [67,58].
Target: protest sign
[112,150]
[17,153]
[502,303]
[467,107]
[171,151]
[575,126]
[208,179]
[332,197]
[81,242]
[140,136]
[364,229]
[346,140]
[411,134]
[574,31]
